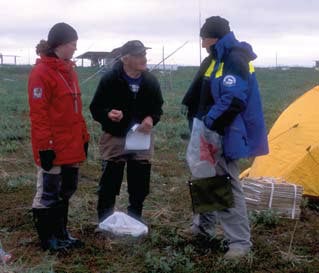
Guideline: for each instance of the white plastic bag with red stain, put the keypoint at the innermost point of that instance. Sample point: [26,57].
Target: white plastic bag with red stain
[203,151]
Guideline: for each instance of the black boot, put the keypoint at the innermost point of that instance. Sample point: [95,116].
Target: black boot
[45,225]
[138,180]
[69,185]
[65,235]
[110,185]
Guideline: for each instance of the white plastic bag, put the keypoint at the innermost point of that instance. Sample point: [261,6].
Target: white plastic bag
[203,151]
[120,223]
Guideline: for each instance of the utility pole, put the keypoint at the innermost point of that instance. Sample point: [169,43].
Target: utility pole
[163,58]
[29,60]
[165,85]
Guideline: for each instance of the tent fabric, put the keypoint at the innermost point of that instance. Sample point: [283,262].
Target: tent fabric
[294,145]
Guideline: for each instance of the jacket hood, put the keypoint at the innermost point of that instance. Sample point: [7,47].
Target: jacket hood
[228,43]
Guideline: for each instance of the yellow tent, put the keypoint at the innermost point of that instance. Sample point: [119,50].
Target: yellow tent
[294,145]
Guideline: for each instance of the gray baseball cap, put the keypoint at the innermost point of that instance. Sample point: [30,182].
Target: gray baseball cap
[133,47]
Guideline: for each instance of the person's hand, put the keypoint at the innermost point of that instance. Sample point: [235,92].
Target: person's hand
[115,115]
[46,159]
[209,124]
[146,125]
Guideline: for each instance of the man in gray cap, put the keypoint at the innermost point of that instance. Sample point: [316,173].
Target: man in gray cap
[126,95]
[225,95]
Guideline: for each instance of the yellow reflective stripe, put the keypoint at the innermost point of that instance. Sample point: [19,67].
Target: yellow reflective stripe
[251,68]
[210,69]
[219,72]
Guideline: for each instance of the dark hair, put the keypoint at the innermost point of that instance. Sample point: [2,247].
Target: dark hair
[59,34]
[42,48]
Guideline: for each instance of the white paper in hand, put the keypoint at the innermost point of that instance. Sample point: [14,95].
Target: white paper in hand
[120,223]
[136,140]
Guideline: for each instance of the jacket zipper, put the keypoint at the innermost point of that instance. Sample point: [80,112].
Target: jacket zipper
[73,92]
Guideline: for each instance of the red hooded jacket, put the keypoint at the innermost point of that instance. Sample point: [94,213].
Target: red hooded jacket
[56,116]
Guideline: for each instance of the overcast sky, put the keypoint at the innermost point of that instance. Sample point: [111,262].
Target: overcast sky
[288,28]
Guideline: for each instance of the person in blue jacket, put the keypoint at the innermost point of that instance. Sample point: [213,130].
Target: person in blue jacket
[228,101]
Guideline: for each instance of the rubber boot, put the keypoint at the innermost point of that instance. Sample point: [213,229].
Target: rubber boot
[138,180]
[74,242]
[109,187]
[69,185]
[45,226]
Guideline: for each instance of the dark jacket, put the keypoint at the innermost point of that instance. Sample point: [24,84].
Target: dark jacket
[113,92]
[198,90]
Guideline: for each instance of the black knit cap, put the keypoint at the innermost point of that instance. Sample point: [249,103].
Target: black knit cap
[214,27]
[61,33]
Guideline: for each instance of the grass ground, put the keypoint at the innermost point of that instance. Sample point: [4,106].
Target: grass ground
[279,245]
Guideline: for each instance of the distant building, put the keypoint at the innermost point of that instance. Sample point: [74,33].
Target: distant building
[8,56]
[97,58]
[317,65]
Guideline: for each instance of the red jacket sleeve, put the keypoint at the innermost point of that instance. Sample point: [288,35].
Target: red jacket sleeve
[39,96]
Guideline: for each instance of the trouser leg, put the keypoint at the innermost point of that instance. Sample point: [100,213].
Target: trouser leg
[46,209]
[70,177]
[138,180]
[234,221]
[49,207]
[48,188]
[204,224]
[109,187]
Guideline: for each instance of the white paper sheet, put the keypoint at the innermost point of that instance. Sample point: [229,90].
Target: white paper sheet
[136,140]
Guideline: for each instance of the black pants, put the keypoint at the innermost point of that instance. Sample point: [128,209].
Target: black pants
[138,180]
[51,203]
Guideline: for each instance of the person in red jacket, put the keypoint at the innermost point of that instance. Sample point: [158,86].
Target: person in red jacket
[59,135]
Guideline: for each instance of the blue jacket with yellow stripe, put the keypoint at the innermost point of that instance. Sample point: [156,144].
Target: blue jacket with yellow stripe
[236,111]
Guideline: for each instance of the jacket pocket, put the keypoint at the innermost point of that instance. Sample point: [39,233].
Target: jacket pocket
[63,137]
[235,142]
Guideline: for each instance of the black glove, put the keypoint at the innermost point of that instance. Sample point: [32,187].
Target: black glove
[46,158]
[86,147]
[213,125]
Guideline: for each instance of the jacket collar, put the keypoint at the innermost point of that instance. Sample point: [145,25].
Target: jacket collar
[119,70]
[56,63]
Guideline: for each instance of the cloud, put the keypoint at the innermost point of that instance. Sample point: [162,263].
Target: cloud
[106,24]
